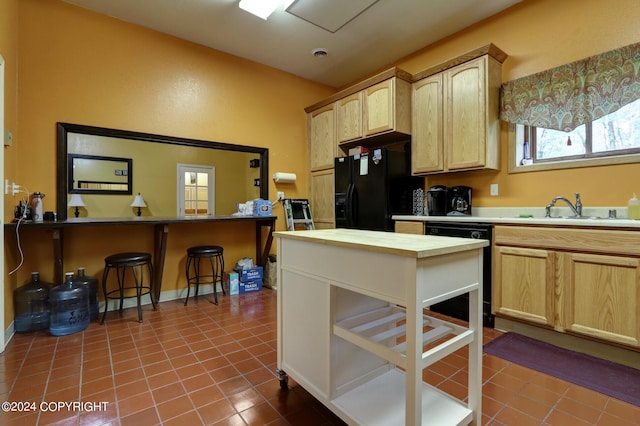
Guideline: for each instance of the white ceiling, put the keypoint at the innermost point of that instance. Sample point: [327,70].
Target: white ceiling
[360,36]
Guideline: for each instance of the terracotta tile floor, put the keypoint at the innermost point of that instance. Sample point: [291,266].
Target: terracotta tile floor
[207,364]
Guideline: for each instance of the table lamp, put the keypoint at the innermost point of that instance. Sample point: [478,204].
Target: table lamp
[76,201]
[139,203]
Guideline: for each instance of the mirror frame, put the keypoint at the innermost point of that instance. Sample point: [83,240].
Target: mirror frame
[70,177]
[64,128]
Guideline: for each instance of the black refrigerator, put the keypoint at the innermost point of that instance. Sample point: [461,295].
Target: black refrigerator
[371,187]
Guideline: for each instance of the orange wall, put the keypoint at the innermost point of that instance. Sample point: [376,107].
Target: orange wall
[9,51]
[537,35]
[81,67]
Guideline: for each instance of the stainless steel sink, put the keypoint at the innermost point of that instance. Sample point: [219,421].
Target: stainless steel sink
[573,217]
[584,217]
[568,217]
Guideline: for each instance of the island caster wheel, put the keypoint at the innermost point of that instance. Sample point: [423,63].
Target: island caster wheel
[283,378]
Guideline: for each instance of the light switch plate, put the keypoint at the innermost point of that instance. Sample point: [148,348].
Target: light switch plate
[494,189]
[8,138]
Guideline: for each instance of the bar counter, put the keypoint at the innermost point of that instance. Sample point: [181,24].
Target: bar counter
[161,231]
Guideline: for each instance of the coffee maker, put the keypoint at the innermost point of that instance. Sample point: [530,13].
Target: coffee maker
[438,200]
[459,201]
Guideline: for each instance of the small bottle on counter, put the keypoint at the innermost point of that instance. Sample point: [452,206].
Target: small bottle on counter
[36,202]
[634,207]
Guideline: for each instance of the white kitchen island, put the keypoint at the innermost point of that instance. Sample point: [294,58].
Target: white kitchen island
[352,329]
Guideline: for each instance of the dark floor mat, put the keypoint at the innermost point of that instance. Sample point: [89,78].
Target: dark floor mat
[610,378]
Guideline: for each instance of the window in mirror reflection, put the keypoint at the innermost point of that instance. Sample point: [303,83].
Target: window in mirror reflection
[197,186]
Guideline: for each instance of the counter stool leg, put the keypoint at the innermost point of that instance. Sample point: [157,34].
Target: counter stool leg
[221,273]
[120,272]
[104,293]
[186,269]
[138,284]
[213,279]
[151,286]
[196,268]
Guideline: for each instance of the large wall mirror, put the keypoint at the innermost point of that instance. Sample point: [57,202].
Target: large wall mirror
[107,167]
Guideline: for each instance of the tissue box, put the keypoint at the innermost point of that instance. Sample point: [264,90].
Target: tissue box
[262,207]
[250,286]
[255,273]
[233,281]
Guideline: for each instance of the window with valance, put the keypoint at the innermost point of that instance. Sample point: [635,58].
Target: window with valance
[570,95]
[593,100]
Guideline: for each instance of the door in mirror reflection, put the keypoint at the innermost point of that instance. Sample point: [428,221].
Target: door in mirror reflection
[196,186]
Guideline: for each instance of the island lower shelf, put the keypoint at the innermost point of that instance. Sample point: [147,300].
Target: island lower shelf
[378,397]
[381,401]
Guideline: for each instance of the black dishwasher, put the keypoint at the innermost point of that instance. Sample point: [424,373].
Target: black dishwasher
[458,307]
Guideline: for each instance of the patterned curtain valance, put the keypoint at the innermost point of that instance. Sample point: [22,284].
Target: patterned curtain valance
[568,96]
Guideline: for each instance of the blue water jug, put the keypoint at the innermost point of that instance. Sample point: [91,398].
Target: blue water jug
[69,307]
[92,284]
[31,305]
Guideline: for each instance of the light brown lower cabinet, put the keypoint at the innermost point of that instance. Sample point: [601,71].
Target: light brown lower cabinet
[322,199]
[409,227]
[579,281]
[601,296]
[526,287]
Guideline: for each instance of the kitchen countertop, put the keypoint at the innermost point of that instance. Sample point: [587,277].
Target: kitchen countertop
[594,217]
[408,245]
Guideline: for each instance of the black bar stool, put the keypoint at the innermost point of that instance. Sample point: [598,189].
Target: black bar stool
[136,263]
[192,269]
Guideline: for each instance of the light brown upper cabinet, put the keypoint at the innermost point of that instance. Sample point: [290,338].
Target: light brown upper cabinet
[455,123]
[349,118]
[322,138]
[387,107]
[384,108]
[427,150]
[370,113]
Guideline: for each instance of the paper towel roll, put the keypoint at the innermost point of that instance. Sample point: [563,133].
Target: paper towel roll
[284,177]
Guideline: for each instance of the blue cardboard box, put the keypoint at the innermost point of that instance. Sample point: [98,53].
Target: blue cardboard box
[253,274]
[250,286]
[262,207]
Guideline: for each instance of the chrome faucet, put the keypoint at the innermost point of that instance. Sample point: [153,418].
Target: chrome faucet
[576,210]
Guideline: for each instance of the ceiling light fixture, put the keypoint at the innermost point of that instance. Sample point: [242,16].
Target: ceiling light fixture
[263,8]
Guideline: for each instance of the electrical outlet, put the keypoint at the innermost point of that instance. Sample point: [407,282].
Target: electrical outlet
[280,195]
[8,138]
[10,187]
[494,189]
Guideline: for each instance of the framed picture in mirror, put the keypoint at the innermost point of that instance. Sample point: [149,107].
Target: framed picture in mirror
[91,174]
